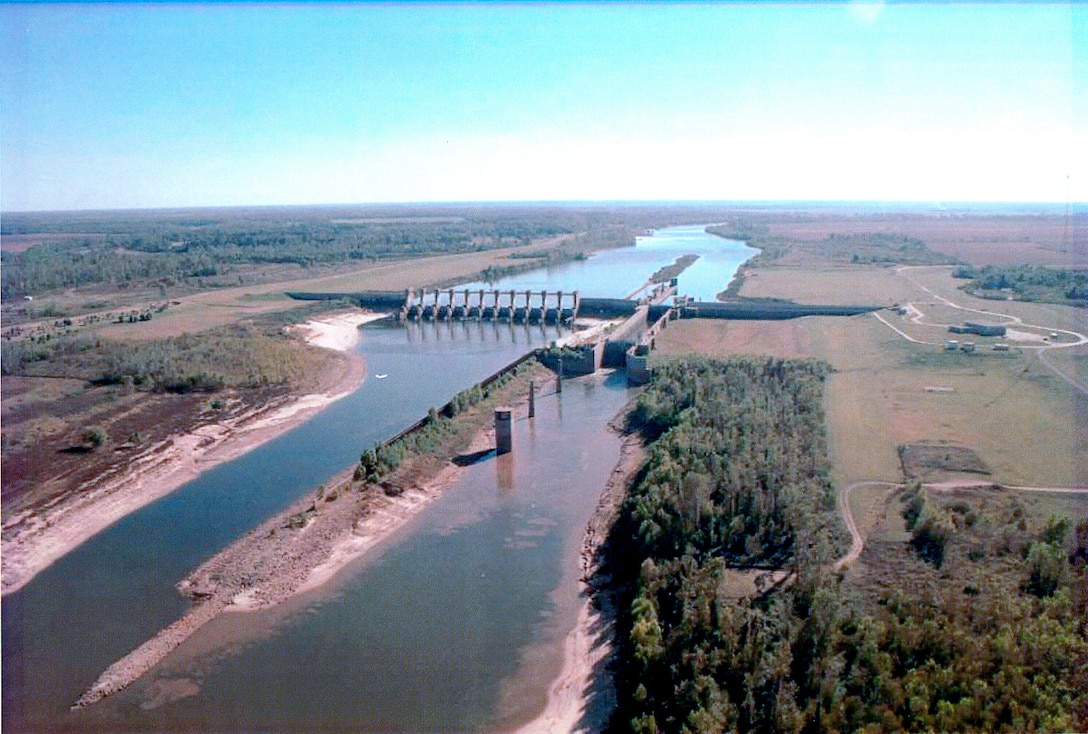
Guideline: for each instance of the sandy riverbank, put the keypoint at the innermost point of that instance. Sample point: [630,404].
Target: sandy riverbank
[300,549]
[582,695]
[169,464]
[310,543]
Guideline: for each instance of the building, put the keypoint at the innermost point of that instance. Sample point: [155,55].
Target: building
[978,328]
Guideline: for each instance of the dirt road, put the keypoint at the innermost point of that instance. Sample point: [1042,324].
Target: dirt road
[858,541]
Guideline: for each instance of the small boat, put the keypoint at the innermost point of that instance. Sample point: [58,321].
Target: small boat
[381,377]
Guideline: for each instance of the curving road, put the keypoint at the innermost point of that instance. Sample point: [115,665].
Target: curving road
[917,317]
[858,542]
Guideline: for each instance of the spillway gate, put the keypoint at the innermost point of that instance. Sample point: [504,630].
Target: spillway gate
[513,306]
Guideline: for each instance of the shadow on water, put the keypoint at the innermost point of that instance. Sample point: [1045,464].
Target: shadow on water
[474,458]
[419,640]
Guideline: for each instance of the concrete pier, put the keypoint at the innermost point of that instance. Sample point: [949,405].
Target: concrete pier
[513,306]
[504,430]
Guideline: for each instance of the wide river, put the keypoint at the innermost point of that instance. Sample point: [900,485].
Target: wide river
[454,623]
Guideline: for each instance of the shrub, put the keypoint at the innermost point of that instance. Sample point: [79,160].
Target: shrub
[94,436]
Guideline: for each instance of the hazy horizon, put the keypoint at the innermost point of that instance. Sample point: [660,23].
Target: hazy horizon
[952,207]
[178,106]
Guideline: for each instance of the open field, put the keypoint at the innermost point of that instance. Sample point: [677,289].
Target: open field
[221,306]
[871,284]
[976,239]
[984,554]
[1029,426]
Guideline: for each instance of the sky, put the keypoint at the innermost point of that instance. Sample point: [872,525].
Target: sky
[177,105]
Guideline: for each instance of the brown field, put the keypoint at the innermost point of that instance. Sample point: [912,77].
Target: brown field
[869,507]
[888,564]
[977,239]
[22,242]
[221,306]
[1029,426]
[830,285]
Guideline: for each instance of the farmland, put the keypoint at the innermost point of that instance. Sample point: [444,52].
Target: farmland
[949,460]
[1025,411]
[877,398]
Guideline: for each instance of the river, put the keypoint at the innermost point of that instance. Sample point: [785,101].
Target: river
[453,624]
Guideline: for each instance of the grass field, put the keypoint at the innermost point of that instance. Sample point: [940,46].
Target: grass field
[224,306]
[977,239]
[1026,424]
[833,285]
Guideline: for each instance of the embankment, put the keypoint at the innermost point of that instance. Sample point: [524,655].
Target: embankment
[582,695]
[307,544]
[36,543]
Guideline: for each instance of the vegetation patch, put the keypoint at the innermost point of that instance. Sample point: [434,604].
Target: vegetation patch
[1026,283]
[867,248]
[235,356]
[978,624]
[667,273]
[771,247]
[439,432]
[169,249]
[919,460]
[737,476]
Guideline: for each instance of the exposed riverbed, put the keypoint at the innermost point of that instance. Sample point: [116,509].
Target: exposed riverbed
[467,602]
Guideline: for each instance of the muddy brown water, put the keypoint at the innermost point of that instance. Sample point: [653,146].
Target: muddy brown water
[453,624]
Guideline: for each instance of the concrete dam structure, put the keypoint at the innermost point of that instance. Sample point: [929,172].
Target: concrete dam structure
[627,344]
[516,307]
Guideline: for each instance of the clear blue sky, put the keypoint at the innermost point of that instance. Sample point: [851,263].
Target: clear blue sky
[116,106]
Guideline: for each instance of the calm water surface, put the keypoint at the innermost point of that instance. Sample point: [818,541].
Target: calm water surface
[617,273]
[425,634]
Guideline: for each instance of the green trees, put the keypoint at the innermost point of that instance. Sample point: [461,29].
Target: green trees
[234,356]
[215,247]
[737,476]
[1028,282]
[424,437]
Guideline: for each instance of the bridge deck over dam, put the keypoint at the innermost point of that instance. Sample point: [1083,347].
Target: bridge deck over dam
[629,341]
[476,303]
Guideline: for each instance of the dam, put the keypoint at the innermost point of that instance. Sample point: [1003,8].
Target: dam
[455,624]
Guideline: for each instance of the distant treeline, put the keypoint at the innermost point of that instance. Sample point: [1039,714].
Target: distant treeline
[877,248]
[173,246]
[738,476]
[1028,283]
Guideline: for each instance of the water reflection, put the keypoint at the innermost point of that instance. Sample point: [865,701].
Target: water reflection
[378,655]
[504,471]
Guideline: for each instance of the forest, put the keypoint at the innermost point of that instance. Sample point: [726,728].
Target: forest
[870,248]
[738,478]
[241,355]
[170,247]
[1028,283]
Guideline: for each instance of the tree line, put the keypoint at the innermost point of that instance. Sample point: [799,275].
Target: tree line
[181,246]
[1028,282]
[738,476]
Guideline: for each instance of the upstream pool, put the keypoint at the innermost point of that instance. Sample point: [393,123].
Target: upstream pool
[454,624]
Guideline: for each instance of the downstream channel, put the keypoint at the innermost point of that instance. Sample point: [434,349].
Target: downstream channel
[454,623]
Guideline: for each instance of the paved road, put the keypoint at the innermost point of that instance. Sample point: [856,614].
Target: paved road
[918,318]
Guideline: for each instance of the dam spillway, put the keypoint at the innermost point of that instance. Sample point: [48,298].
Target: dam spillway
[513,306]
[483,567]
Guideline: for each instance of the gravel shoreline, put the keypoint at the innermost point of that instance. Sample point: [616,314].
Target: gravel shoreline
[298,549]
[168,465]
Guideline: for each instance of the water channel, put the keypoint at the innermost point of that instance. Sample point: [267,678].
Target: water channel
[452,624]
